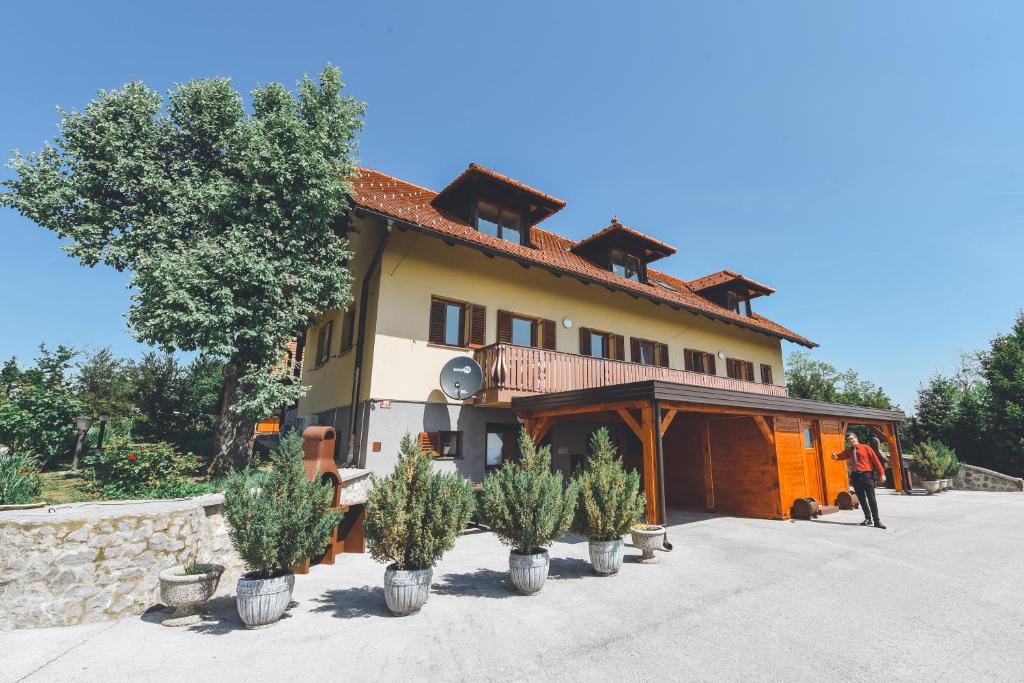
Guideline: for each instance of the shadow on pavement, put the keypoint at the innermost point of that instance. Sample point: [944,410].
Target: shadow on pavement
[481,583]
[569,568]
[358,602]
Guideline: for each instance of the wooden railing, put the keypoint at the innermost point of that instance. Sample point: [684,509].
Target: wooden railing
[524,370]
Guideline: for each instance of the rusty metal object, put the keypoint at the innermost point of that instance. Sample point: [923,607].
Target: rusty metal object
[805,508]
[847,500]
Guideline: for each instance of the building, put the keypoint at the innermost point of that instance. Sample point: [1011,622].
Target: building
[570,336]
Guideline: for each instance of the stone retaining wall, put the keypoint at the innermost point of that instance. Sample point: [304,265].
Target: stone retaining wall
[85,562]
[980,479]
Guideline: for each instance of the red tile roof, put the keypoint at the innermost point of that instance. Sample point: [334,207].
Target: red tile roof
[723,276]
[617,227]
[389,196]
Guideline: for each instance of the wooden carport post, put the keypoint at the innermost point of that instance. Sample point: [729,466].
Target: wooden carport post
[645,431]
[895,456]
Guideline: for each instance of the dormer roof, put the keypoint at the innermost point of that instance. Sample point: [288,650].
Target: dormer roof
[479,182]
[617,235]
[727,279]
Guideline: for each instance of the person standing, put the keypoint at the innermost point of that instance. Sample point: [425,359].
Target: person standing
[862,459]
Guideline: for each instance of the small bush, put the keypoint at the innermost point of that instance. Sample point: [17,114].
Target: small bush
[934,460]
[609,498]
[19,478]
[414,515]
[278,518]
[134,470]
[525,504]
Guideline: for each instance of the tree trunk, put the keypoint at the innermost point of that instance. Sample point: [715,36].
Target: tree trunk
[232,441]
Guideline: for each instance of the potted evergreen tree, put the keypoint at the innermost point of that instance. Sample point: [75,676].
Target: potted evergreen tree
[278,519]
[413,517]
[527,508]
[931,461]
[610,502]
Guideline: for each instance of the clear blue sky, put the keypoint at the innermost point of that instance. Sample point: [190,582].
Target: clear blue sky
[863,158]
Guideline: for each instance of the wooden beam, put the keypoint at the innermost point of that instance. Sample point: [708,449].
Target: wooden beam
[540,429]
[766,431]
[631,422]
[647,437]
[895,458]
[666,420]
[709,482]
[707,409]
[580,409]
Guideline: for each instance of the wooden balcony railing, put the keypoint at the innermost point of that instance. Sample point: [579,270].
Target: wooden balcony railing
[511,370]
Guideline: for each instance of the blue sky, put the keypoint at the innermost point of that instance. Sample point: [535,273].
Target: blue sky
[866,159]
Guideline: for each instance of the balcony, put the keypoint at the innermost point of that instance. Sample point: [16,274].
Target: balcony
[521,371]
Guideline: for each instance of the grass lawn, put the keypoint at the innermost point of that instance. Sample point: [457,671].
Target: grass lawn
[64,486]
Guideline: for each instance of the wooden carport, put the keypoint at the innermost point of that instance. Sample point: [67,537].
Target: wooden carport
[754,453]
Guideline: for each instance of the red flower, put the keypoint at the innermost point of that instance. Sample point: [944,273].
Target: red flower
[23,470]
[133,456]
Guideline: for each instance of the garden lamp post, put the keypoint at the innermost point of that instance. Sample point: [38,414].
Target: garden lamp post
[103,427]
[83,422]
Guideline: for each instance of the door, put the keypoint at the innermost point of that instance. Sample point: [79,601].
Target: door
[814,482]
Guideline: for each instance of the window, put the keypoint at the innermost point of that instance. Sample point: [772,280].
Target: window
[450,444]
[808,438]
[323,343]
[524,331]
[766,374]
[738,303]
[699,361]
[739,369]
[348,329]
[601,344]
[454,323]
[647,352]
[626,265]
[500,223]
[502,445]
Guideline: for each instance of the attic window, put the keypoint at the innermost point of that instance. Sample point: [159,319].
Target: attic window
[626,265]
[501,223]
[738,303]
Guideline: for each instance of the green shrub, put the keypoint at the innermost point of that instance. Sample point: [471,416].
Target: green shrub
[278,518]
[525,504]
[934,459]
[609,498]
[414,515]
[136,470]
[19,478]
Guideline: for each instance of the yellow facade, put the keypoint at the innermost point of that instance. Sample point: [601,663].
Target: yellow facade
[401,365]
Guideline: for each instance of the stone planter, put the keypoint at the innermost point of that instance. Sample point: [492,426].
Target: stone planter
[931,486]
[606,556]
[405,591]
[261,602]
[528,572]
[184,592]
[647,538]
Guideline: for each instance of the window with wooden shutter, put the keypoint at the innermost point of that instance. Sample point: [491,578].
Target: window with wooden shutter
[504,327]
[437,310]
[477,325]
[699,361]
[584,341]
[447,322]
[766,374]
[661,355]
[547,334]
[749,371]
[618,347]
[739,369]
[323,343]
[348,324]
[636,352]
[647,352]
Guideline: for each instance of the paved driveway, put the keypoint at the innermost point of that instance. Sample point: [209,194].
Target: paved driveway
[938,595]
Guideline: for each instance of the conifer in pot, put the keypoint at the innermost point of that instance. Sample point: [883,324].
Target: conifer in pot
[528,507]
[610,502]
[413,517]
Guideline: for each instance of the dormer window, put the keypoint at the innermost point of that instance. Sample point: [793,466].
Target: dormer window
[498,222]
[738,303]
[626,265]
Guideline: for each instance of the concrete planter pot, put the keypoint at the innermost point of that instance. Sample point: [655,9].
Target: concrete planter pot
[647,538]
[528,572]
[405,591]
[261,602]
[184,592]
[931,486]
[606,556]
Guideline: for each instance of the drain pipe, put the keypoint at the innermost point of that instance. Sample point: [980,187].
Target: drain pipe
[357,369]
[660,453]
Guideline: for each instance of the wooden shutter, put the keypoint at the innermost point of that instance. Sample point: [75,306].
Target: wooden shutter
[477,325]
[661,355]
[750,371]
[709,359]
[634,349]
[547,334]
[766,374]
[323,345]
[688,359]
[436,334]
[430,442]
[504,327]
[585,341]
[618,347]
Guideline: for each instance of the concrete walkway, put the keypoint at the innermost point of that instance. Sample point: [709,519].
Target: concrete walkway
[937,596]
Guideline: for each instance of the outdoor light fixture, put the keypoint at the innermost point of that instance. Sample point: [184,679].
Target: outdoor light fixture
[567,322]
[83,422]
[721,354]
[104,419]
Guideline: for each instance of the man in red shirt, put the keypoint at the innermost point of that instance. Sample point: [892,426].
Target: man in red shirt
[862,459]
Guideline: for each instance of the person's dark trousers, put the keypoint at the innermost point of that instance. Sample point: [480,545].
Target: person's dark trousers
[864,486]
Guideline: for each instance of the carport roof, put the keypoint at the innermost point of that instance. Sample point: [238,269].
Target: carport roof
[700,396]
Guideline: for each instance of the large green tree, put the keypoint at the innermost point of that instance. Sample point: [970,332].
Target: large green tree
[1002,368]
[821,381]
[231,222]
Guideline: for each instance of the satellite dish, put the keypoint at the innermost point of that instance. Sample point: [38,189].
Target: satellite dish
[461,377]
